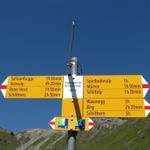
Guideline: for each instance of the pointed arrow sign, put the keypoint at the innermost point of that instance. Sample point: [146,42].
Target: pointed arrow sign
[117,86]
[49,87]
[52,123]
[73,124]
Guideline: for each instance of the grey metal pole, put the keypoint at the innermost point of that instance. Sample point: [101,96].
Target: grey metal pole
[72,66]
[72,140]
[72,69]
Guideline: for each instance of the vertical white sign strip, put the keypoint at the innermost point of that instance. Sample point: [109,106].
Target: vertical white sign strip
[4,90]
[147,108]
[145,90]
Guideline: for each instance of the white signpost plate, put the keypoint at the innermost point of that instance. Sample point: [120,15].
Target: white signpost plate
[73,87]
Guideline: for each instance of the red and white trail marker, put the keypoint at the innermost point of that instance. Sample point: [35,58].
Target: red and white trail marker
[145,86]
[147,108]
[52,123]
[91,123]
[3,87]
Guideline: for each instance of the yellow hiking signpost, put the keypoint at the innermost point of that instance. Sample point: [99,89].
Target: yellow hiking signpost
[107,96]
[115,96]
[33,87]
[71,123]
[96,96]
[85,96]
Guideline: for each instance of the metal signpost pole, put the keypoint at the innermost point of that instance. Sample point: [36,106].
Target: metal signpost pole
[72,70]
[72,140]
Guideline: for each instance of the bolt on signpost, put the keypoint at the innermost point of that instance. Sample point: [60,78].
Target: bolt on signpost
[82,97]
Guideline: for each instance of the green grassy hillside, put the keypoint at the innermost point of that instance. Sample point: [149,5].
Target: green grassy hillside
[132,135]
[8,140]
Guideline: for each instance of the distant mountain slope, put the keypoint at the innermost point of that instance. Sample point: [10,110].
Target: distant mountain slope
[8,140]
[34,139]
[108,134]
[132,135]
[47,139]
[86,139]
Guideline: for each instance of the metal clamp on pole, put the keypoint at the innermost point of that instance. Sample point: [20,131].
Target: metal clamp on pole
[72,66]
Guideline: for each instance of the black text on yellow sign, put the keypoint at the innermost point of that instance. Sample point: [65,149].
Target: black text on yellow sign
[34,87]
[113,108]
[117,86]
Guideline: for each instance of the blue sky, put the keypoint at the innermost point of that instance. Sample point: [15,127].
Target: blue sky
[112,37]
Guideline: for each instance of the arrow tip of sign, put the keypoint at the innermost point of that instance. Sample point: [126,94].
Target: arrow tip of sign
[3,90]
[147,108]
[144,81]
[91,123]
[144,89]
[52,123]
[5,81]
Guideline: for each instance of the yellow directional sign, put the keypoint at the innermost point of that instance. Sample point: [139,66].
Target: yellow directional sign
[72,107]
[120,86]
[34,87]
[114,108]
[85,96]
[71,123]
